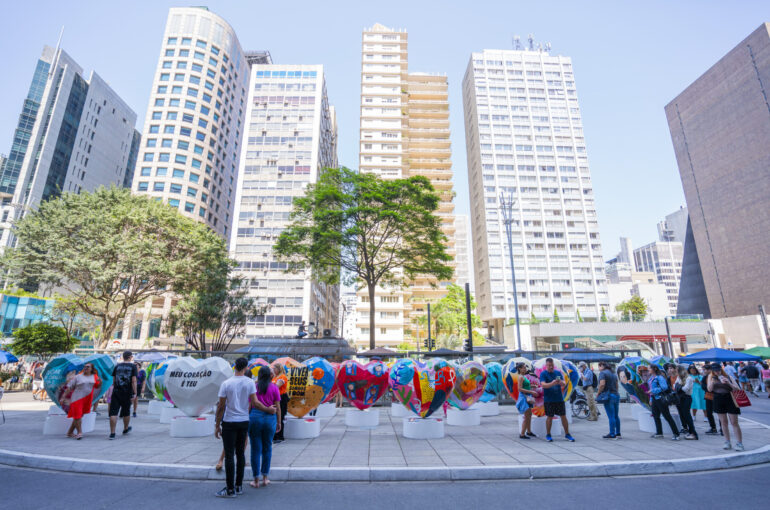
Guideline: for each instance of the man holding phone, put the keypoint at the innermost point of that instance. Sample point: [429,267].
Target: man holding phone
[552,382]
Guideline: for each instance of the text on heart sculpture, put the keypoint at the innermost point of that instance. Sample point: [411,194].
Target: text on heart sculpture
[470,381]
[57,373]
[193,384]
[421,387]
[494,381]
[335,390]
[362,385]
[309,384]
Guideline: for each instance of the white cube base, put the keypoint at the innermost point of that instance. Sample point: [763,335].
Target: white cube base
[487,408]
[59,424]
[637,410]
[301,428]
[169,413]
[463,418]
[399,411]
[156,406]
[647,423]
[186,426]
[54,410]
[424,428]
[327,410]
[357,418]
[538,425]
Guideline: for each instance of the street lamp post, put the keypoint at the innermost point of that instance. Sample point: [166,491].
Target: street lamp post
[506,207]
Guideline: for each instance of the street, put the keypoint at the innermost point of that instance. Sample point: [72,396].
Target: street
[759,410]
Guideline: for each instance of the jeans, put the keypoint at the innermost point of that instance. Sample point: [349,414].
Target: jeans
[659,407]
[261,431]
[234,440]
[612,408]
[685,401]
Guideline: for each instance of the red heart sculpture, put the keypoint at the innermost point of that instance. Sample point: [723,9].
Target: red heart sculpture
[362,385]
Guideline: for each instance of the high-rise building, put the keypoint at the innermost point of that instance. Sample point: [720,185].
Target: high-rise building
[348,314]
[136,141]
[720,129]
[674,227]
[290,137]
[74,134]
[404,132]
[664,259]
[524,135]
[194,123]
[464,269]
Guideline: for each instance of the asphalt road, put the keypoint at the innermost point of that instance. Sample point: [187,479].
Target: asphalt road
[741,488]
[759,409]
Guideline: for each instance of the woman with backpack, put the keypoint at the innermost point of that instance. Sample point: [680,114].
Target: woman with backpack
[660,393]
[684,388]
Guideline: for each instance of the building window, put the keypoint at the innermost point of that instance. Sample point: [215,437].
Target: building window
[143,186]
[173,202]
[180,159]
[164,156]
[161,171]
[151,142]
[192,192]
[194,177]
[164,76]
[178,174]
[170,115]
[186,41]
[159,186]
[146,171]
[175,188]
[160,102]
[171,40]
[156,115]
[176,89]
[149,156]
[189,207]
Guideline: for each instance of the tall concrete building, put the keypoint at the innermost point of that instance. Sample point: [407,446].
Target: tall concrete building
[463,259]
[404,131]
[74,134]
[290,138]
[674,227]
[195,116]
[524,134]
[720,129]
[664,259]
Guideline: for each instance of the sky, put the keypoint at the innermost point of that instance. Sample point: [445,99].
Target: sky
[630,59]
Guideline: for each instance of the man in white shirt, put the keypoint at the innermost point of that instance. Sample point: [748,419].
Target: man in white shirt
[232,425]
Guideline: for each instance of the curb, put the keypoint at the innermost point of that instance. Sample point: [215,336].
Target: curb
[392,474]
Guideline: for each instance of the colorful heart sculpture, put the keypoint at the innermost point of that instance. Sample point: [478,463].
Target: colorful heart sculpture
[255,364]
[104,365]
[335,389]
[568,370]
[633,373]
[494,381]
[512,380]
[56,374]
[362,385]
[422,387]
[661,361]
[157,382]
[470,381]
[193,384]
[309,384]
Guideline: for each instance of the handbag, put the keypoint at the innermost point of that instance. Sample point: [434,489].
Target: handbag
[670,398]
[740,398]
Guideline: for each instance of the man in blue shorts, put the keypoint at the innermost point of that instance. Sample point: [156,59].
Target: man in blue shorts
[552,382]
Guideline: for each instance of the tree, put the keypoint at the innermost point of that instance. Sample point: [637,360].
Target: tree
[634,309]
[405,346]
[579,318]
[533,319]
[111,250]
[41,339]
[379,232]
[556,315]
[604,315]
[448,314]
[76,324]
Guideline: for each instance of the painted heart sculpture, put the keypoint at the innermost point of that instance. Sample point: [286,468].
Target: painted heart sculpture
[362,385]
[193,384]
[633,373]
[104,365]
[567,368]
[470,381]
[157,382]
[335,389]
[309,384]
[513,380]
[494,381]
[255,364]
[422,387]
[661,361]
[56,374]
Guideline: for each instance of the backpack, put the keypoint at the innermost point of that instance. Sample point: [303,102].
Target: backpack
[595,381]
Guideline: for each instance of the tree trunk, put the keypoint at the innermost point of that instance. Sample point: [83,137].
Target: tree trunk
[371,316]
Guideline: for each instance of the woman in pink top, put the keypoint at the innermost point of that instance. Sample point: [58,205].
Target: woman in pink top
[263,426]
[766,379]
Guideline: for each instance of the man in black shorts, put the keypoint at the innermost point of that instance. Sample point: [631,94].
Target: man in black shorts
[552,382]
[123,392]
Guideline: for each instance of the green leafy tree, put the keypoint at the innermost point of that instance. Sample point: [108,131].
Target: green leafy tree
[448,314]
[579,317]
[533,319]
[111,250]
[556,315]
[76,324]
[634,309]
[41,339]
[379,232]
[405,346]
[604,315]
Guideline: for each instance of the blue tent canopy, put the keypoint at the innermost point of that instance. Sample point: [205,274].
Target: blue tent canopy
[719,355]
[7,357]
[589,357]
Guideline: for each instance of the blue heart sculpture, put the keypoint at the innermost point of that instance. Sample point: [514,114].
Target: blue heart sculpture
[104,366]
[57,373]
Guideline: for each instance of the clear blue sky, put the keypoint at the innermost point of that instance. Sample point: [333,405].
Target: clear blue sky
[630,59]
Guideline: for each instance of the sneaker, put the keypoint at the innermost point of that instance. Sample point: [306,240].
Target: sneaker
[239,490]
[712,432]
[569,438]
[727,446]
[531,434]
[549,438]
[134,415]
[126,431]
[690,437]
[224,493]
[112,436]
[618,436]
[657,436]
[277,441]
[675,438]
[524,437]
[739,447]
[609,436]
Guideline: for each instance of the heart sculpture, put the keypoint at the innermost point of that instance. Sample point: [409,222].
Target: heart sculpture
[335,389]
[661,361]
[494,381]
[422,387]
[157,382]
[255,364]
[569,372]
[470,381]
[193,384]
[633,373]
[104,365]
[58,372]
[309,384]
[362,385]
[513,380]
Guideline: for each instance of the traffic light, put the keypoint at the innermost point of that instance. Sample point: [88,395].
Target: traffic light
[429,343]
[468,347]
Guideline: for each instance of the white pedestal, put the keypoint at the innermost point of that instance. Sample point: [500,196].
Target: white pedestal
[54,410]
[467,418]
[156,406]
[59,424]
[301,428]
[399,411]
[357,418]
[168,413]
[538,425]
[424,428]
[487,408]
[327,410]
[647,423]
[186,426]
[637,410]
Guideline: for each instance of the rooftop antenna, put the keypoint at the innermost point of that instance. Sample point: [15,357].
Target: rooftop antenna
[516,42]
[531,40]
[56,53]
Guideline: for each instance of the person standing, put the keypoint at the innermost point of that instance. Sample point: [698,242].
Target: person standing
[38,390]
[282,381]
[766,379]
[658,389]
[589,381]
[552,382]
[730,370]
[262,427]
[684,389]
[709,396]
[722,386]
[82,388]
[607,392]
[232,425]
[698,394]
[140,378]
[525,401]
[123,392]
[752,371]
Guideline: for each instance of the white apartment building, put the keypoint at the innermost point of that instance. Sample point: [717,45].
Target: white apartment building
[464,261]
[674,227]
[524,134]
[348,314]
[664,259]
[404,131]
[291,136]
[74,134]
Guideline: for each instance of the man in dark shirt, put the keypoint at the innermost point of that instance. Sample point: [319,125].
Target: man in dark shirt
[752,372]
[123,392]
[552,382]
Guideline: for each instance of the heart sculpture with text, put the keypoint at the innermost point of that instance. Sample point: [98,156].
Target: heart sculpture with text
[470,381]
[494,381]
[335,390]
[362,385]
[157,382]
[57,373]
[421,387]
[104,365]
[309,384]
[193,384]
[255,364]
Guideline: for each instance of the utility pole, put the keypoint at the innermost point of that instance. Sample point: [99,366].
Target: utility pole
[430,342]
[506,207]
[468,318]
[668,334]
